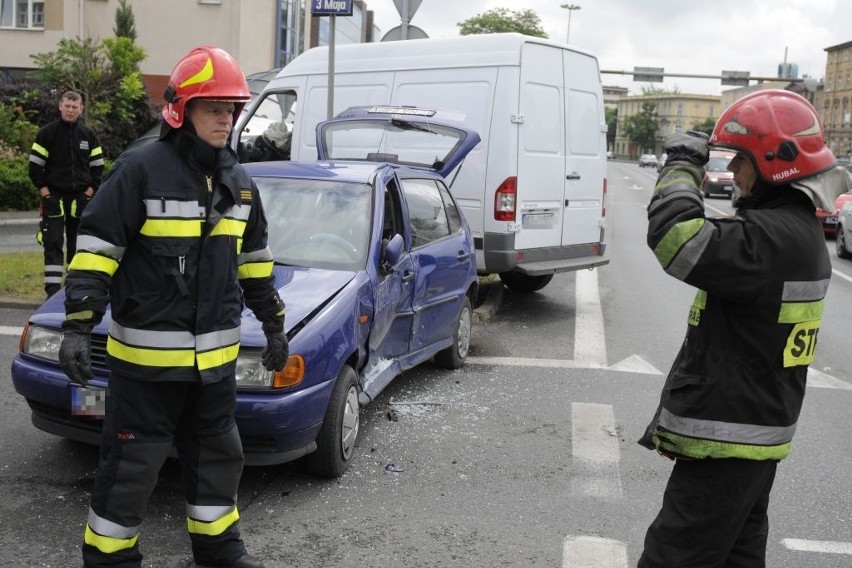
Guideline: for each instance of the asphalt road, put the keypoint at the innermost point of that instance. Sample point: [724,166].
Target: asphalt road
[526,457]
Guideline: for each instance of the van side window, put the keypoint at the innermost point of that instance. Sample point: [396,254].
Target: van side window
[267,134]
[426,211]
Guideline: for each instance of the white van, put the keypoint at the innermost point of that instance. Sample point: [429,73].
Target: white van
[533,191]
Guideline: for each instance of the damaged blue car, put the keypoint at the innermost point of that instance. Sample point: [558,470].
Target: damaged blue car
[375,263]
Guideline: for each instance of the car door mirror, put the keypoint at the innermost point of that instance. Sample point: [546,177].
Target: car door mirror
[391,252]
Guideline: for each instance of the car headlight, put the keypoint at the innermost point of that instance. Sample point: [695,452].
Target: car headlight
[714,179]
[251,373]
[41,342]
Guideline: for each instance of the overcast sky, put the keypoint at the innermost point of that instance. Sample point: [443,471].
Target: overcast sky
[692,37]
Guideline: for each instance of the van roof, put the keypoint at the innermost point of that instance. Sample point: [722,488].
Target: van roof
[462,51]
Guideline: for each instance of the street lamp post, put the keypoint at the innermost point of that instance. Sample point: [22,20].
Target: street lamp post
[570,8]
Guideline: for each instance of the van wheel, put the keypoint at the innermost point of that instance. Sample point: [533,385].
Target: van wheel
[524,282]
[453,356]
[840,242]
[336,440]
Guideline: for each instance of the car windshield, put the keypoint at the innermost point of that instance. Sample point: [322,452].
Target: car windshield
[317,223]
[718,164]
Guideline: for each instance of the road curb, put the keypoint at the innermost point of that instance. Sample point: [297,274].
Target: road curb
[18,304]
[493,291]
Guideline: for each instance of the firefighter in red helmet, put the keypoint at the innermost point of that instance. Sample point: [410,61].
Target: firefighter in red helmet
[731,402]
[174,241]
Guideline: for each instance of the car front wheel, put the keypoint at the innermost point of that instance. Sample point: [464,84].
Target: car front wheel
[840,242]
[453,356]
[336,440]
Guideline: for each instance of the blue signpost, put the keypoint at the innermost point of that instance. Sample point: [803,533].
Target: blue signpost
[331,8]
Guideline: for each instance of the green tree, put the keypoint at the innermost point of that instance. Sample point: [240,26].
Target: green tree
[500,20]
[125,22]
[641,128]
[706,127]
[611,117]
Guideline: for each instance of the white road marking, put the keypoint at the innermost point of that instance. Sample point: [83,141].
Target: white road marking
[9,330]
[841,275]
[822,380]
[596,454]
[822,546]
[593,552]
[589,336]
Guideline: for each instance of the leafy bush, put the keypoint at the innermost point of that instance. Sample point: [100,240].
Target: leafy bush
[17,192]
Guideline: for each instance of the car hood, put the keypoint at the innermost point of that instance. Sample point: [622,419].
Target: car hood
[304,291]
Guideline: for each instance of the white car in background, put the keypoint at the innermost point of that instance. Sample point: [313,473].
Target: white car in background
[843,234]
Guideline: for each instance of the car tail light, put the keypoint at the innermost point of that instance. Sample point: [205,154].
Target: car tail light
[505,200]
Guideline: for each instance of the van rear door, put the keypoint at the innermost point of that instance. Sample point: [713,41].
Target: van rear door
[585,155]
[541,153]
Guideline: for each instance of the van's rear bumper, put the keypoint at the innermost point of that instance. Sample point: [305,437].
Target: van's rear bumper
[496,253]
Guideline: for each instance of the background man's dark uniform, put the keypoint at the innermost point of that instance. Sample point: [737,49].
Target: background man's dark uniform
[66,158]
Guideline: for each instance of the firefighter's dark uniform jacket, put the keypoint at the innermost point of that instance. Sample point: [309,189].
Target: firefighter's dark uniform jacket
[736,387]
[171,267]
[66,158]
[176,237]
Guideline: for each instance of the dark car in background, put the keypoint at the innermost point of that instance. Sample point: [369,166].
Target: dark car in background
[717,178]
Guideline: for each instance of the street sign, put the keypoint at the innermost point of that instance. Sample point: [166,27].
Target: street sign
[331,7]
[648,74]
[414,32]
[412,7]
[736,78]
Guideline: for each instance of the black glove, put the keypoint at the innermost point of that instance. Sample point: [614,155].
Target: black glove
[274,355]
[690,147]
[75,356]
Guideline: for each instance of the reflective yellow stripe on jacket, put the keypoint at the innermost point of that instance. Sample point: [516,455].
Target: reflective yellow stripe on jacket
[156,348]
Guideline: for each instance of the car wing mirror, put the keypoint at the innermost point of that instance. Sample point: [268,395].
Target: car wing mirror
[391,252]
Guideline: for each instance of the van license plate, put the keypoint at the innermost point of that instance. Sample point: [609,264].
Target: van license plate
[537,220]
[88,401]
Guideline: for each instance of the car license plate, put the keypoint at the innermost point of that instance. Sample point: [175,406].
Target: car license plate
[537,220]
[831,220]
[88,401]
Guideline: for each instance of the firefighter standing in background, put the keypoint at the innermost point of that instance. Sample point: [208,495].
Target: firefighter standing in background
[730,404]
[175,239]
[66,162]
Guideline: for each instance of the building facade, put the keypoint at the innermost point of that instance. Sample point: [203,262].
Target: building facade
[834,101]
[260,34]
[675,112]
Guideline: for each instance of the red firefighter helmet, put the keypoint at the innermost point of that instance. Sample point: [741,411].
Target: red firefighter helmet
[780,131]
[206,73]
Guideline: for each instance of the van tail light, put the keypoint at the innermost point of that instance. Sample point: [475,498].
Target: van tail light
[505,200]
[603,200]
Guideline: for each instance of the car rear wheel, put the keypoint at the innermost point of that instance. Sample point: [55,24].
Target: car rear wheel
[524,282]
[336,440]
[453,356]
[840,242]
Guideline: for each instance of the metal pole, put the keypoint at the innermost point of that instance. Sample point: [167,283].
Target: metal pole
[403,28]
[332,31]
[297,21]
[568,35]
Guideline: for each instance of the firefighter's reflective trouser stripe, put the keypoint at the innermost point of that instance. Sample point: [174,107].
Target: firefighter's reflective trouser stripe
[143,421]
[713,514]
[61,221]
